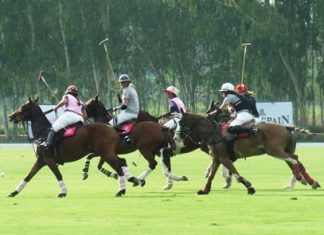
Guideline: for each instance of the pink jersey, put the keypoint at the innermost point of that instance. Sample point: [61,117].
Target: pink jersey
[73,104]
[179,105]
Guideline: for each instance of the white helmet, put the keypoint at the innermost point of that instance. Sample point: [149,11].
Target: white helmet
[124,78]
[227,87]
[173,90]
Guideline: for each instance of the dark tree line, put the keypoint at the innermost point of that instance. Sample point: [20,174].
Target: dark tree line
[192,44]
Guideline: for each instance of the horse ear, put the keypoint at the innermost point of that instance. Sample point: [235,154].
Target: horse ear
[29,99]
[97,97]
[213,103]
[36,99]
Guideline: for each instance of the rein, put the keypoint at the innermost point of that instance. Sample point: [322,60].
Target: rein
[187,132]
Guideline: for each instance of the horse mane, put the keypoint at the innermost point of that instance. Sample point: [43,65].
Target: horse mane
[39,122]
[146,116]
[96,109]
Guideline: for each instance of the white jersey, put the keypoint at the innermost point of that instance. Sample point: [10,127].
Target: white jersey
[133,102]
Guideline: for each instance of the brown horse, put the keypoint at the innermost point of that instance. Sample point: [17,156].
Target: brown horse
[147,136]
[273,139]
[94,138]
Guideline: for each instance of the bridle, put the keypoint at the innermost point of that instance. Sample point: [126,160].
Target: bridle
[186,133]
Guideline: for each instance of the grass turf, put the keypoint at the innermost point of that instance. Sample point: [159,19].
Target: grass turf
[91,207]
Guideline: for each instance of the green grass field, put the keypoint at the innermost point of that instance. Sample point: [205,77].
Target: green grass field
[91,208]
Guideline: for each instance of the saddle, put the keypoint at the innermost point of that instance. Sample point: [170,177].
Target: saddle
[125,128]
[67,132]
[242,135]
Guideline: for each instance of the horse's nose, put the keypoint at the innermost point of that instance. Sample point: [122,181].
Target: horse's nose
[11,117]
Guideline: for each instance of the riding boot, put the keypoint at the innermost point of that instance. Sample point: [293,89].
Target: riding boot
[240,129]
[50,139]
[171,142]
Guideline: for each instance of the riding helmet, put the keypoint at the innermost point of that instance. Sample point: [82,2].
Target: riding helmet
[241,88]
[72,90]
[227,87]
[173,90]
[124,78]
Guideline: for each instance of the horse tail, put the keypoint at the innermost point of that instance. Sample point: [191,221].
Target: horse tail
[292,141]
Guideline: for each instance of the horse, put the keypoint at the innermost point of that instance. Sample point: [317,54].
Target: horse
[272,139]
[93,138]
[147,136]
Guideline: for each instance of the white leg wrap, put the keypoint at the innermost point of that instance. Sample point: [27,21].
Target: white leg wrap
[165,169]
[169,183]
[225,172]
[208,169]
[144,174]
[122,182]
[126,171]
[21,186]
[292,182]
[62,186]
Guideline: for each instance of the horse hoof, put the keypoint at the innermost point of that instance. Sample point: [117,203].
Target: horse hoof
[142,182]
[289,187]
[61,195]
[121,193]
[316,185]
[184,178]
[202,192]
[251,191]
[13,194]
[134,180]
[303,181]
[114,175]
[168,187]
[84,176]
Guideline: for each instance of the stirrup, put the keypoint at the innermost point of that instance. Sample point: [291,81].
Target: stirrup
[254,131]
[127,140]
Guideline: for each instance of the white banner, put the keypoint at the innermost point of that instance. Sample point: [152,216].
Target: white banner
[276,112]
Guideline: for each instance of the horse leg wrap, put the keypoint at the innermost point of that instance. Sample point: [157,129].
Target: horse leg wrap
[126,171]
[297,171]
[169,183]
[145,173]
[62,186]
[122,182]
[307,177]
[21,186]
[292,182]
[242,180]
[105,172]
[86,166]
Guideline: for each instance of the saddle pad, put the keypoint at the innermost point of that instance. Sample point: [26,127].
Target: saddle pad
[69,132]
[238,136]
[127,127]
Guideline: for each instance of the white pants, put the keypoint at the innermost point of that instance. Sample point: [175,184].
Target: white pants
[172,123]
[67,118]
[122,117]
[241,118]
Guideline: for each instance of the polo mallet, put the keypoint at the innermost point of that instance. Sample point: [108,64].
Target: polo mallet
[245,45]
[138,158]
[104,44]
[42,79]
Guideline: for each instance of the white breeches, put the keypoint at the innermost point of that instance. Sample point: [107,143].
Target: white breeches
[66,119]
[122,117]
[172,123]
[241,118]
